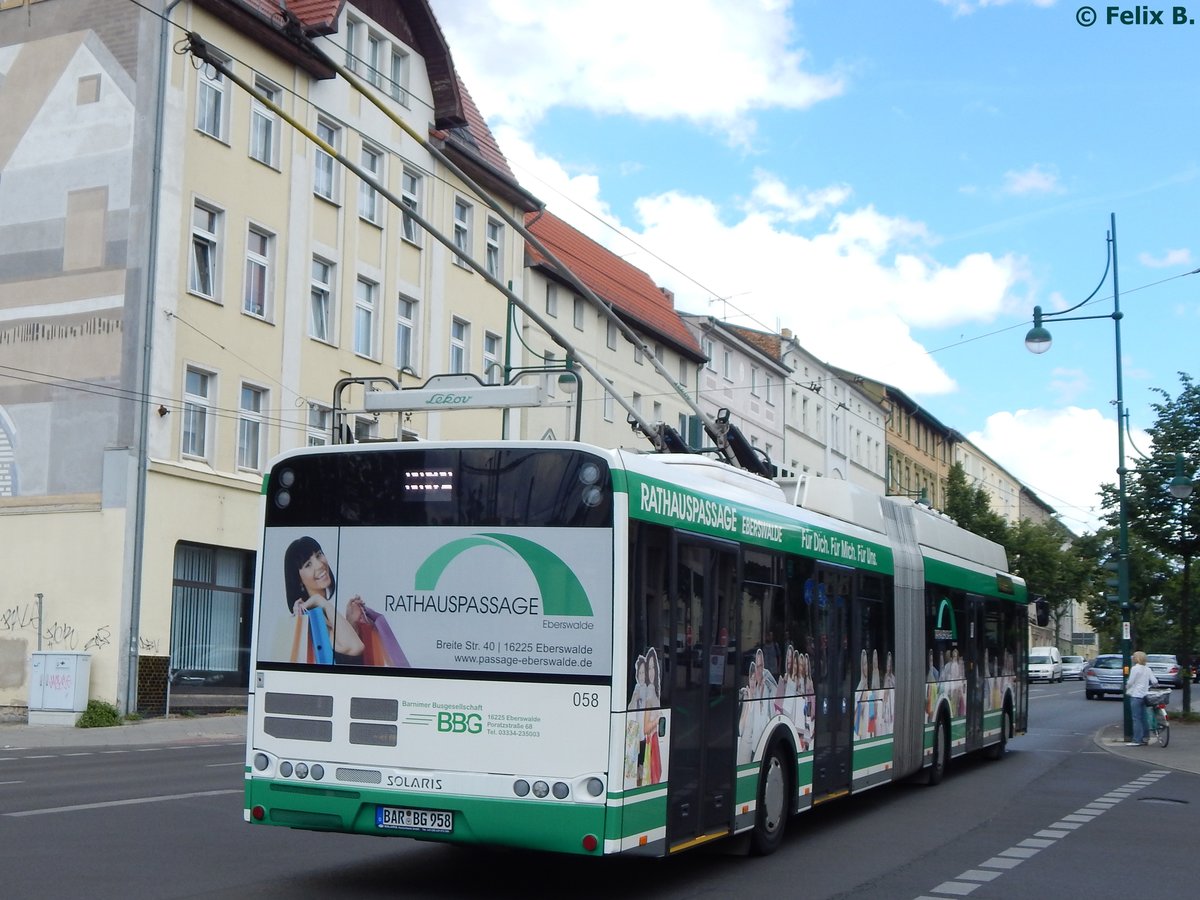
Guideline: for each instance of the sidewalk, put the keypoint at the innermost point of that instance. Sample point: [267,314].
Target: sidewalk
[219,727]
[1182,753]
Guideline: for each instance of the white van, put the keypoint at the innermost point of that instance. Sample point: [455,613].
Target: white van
[1045,664]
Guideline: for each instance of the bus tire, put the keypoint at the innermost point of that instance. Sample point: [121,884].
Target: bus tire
[941,752]
[774,802]
[996,750]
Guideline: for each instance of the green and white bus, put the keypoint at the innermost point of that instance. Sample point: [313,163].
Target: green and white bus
[567,648]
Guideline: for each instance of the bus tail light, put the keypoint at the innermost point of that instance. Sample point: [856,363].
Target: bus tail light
[257,813]
[590,842]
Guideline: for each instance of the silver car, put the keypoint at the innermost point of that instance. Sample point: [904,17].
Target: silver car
[1104,675]
[1073,666]
[1166,669]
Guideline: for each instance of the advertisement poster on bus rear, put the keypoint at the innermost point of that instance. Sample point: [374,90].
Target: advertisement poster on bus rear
[530,600]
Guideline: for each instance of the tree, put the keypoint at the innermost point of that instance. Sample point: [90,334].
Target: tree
[971,508]
[1165,525]
[1044,555]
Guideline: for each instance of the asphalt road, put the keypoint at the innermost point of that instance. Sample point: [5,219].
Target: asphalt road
[1056,817]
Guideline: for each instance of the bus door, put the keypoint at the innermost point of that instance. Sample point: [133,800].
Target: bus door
[700,796]
[833,729]
[974,647]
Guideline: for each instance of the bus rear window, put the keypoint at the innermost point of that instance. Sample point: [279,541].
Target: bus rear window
[484,486]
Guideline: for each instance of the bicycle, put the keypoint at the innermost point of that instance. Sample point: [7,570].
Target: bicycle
[1156,715]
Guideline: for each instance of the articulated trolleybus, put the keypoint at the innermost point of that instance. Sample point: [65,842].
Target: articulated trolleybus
[561,647]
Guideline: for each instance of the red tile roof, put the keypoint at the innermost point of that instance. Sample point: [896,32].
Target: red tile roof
[317,16]
[768,343]
[484,140]
[630,290]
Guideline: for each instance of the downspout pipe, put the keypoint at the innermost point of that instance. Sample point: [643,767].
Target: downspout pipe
[143,440]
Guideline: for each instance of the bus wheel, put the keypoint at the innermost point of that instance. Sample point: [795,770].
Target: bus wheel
[773,803]
[996,750]
[941,752]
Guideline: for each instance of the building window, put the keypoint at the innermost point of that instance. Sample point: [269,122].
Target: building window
[754,381]
[495,246]
[639,355]
[318,424]
[636,403]
[552,300]
[353,29]
[250,428]
[212,597]
[577,308]
[406,316]
[608,401]
[365,430]
[202,277]
[727,364]
[368,198]
[321,319]
[611,335]
[366,294]
[459,336]
[264,125]
[770,390]
[324,182]
[410,196]
[707,346]
[399,85]
[656,412]
[493,370]
[683,372]
[375,52]
[198,388]
[257,294]
[462,230]
[211,108]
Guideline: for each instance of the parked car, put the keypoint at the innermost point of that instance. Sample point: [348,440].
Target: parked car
[1104,675]
[1165,667]
[1045,664]
[1073,666]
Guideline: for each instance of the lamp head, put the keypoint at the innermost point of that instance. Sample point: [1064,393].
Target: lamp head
[1180,486]
[1038,339]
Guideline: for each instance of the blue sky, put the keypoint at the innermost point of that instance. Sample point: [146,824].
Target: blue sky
[897,183]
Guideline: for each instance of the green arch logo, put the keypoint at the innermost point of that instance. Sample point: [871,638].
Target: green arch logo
[943,608]
[561,592]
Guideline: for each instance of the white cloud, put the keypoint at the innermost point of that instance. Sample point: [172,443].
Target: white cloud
[803,205]
[634,58]
[1170,259]
[1063,455]
[852,291]
[1034,180]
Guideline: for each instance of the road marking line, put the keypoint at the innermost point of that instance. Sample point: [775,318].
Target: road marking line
[978,875]
[998,862]
[1015,855]
[130,802]
[957,888]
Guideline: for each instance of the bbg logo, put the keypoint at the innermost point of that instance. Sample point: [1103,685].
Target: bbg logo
[459,723]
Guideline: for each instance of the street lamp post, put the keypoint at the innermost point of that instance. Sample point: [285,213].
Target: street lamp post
[1181,489]
[1038,341]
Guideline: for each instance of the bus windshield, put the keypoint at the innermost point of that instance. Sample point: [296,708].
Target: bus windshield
[481,559]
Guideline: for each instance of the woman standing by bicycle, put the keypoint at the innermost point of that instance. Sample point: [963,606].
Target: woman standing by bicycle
[1136,685]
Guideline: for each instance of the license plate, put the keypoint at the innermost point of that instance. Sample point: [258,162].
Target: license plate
[414,819]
